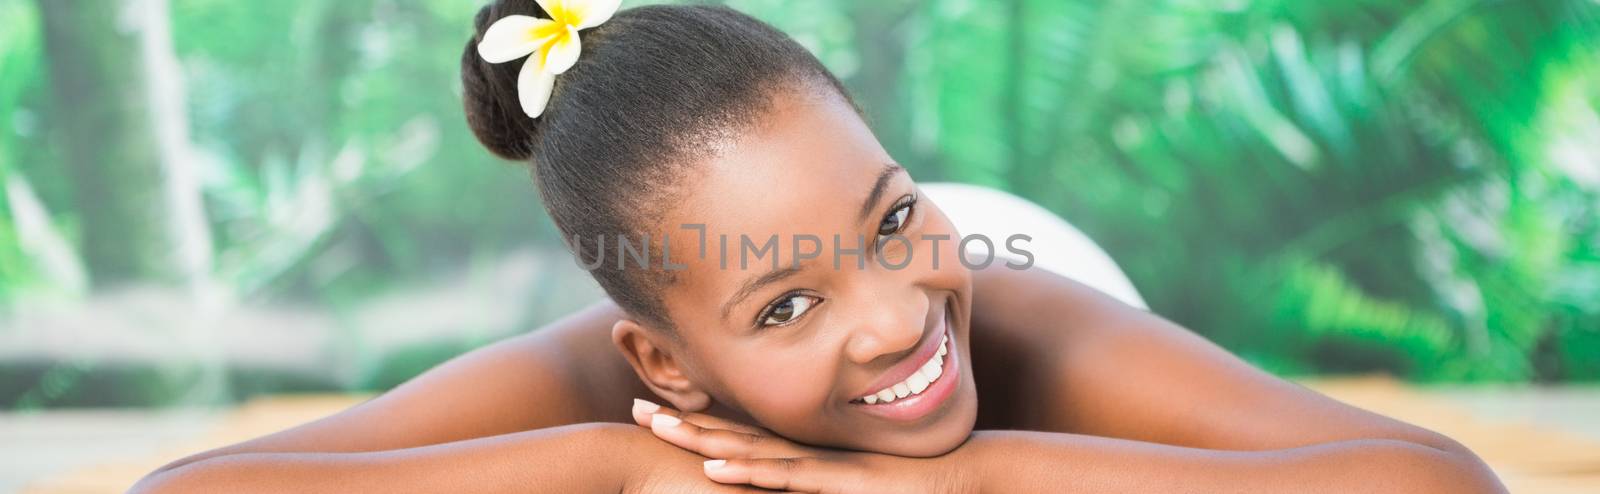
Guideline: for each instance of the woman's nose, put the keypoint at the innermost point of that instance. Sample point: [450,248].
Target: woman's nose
[887,327]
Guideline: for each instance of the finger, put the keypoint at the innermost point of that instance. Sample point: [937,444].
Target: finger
[642,410]
[711,422]
[805,474]
[721,443]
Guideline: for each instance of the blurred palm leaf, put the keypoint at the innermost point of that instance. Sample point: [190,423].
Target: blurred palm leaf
[1323,154]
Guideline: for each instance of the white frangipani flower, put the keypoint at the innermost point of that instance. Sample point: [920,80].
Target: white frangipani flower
[553,44]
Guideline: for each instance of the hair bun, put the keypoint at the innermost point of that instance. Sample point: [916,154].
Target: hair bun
[489,91]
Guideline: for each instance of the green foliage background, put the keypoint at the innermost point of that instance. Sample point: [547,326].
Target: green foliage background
[1408,186]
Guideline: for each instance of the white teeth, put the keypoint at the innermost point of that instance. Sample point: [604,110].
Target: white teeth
[918,381]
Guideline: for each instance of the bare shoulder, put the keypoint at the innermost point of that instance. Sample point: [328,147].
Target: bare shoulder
[1076,360]
[1021,322]
[1026,311]
[555,375]
[1007,300]
[562,373]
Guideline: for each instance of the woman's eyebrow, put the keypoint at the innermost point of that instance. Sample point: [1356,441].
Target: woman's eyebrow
[889,170]
[756,283]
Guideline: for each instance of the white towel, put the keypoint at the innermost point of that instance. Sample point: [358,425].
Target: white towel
[1056,245]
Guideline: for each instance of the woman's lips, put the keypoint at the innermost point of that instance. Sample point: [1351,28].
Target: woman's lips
[917,405]
[937,323]
[903,401]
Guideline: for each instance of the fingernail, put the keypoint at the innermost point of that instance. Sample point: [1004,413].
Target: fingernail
[665,420]
[645,407]
[715,464]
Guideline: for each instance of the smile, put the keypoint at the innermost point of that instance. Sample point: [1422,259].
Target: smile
[924,389]
[918,381]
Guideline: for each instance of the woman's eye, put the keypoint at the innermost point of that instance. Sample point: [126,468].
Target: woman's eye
[787,309]
[896,219]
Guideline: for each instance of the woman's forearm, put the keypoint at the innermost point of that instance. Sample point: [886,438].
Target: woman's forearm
[574,458]
[1019,461]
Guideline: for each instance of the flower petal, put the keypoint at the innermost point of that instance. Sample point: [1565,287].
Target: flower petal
[562,52]
[559,10]
[590,13]
[513,37]
[534,87]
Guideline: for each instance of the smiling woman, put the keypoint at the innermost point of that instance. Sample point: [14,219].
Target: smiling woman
[856,368]
[812,167]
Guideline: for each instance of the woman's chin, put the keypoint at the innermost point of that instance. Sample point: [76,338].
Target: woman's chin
[943,436]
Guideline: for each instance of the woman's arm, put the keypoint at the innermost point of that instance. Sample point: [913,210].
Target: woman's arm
[565,373]
[573,458]
[1025,461]
[1032,461]
[585,458]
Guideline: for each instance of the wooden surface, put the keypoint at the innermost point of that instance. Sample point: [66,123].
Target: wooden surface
[1528,457]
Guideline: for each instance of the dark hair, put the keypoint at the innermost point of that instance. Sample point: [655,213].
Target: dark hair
[653,87]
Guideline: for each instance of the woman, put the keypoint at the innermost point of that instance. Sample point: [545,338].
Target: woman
[791,313]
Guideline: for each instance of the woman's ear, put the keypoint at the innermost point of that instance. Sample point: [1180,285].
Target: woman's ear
[657,367]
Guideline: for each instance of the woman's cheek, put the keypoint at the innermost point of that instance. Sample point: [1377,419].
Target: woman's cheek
[785,394]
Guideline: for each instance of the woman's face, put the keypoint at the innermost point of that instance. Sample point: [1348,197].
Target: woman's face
[800,348]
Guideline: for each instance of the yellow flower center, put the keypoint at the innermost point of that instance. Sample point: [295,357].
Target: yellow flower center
[552,33]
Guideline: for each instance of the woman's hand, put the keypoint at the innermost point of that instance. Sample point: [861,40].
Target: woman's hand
[747,455]
[657,467]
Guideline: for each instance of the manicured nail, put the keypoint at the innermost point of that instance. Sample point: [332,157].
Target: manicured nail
[644,407]
[665,420]
[715,464]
